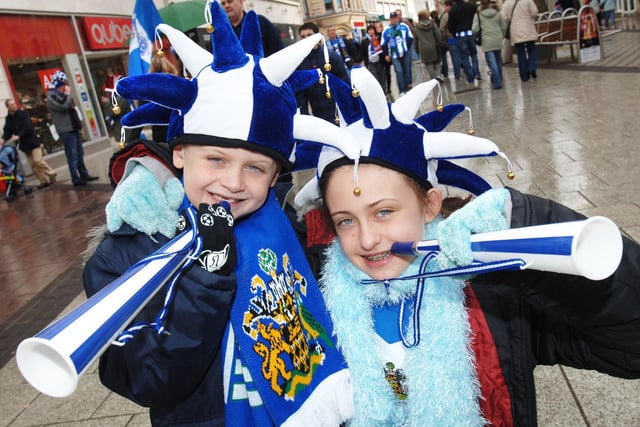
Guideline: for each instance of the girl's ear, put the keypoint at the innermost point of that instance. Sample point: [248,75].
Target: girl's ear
[433,204]
[178,156]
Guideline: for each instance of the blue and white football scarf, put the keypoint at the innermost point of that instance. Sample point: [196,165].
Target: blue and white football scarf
[279,346]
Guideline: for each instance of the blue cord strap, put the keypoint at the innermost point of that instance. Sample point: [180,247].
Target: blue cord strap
[194,247]
[474,268]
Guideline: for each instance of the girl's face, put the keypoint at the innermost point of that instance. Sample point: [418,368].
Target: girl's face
[213,174]
[388,210]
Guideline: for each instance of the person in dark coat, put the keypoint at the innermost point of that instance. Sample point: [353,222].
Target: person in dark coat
[373,55]
[314,100]
[19,129]
[271,40]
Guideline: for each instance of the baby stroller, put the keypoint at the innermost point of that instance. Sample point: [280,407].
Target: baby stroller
[10,180]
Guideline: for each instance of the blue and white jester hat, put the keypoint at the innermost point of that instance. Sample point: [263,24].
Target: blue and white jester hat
[390,135]
[58,79]
[236,98]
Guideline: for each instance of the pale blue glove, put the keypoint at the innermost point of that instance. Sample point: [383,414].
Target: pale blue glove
[484,214]
[147,202]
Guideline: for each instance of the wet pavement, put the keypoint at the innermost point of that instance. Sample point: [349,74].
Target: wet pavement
[572,135]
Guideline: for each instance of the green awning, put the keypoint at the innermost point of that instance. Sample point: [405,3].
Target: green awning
[184,15]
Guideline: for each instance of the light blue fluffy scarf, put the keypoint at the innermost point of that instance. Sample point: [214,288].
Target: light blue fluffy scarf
[442,380]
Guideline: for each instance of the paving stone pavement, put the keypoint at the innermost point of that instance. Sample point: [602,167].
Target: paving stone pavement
[572,135]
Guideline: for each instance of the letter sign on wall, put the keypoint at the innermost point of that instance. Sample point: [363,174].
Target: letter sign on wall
[107,33]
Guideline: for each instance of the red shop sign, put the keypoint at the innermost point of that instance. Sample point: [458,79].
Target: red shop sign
[107,33]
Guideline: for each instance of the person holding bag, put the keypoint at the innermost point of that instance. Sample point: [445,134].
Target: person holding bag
[489,22]
[523,35]
[68,125]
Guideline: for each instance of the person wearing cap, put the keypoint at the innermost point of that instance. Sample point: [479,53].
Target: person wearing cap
[396,38]
[429,341]
[68,125]
[240,335]
[460,22]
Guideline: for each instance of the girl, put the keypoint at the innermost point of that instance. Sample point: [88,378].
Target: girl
[444,351]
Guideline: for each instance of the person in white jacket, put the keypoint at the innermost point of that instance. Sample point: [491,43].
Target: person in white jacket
[520,15]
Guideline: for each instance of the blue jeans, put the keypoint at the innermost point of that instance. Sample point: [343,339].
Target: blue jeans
[467,49]
[527,57]
[402,66]
[609,15]
[75,156]
[494,61]
[455,57]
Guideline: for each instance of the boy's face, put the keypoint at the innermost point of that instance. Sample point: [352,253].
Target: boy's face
[388,210]
[239,176]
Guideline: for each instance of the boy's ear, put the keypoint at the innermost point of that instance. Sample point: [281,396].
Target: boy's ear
[433,204]
[178,156]
[275,177]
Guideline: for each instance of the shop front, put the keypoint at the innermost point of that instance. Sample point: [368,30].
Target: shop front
[87,49]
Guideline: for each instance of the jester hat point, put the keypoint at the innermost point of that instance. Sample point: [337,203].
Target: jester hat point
[389,135]
[236,98]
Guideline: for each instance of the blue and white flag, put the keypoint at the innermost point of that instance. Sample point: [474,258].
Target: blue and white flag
[145,19]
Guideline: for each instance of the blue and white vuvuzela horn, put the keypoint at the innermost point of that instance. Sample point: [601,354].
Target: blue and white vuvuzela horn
[591,248]
[53,360]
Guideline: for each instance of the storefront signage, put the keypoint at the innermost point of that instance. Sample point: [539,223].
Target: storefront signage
[107,33]
[45,77]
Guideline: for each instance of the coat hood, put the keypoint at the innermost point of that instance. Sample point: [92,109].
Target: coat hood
[425,25]
[489,12]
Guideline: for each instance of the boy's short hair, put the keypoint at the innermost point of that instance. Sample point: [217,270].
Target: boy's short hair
[309,26]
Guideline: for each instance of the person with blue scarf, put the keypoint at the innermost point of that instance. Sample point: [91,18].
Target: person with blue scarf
[396,37]
[429,340]
[239,334]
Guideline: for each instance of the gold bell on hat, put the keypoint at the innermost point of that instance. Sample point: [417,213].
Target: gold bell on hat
[116,109]
[210,28]
[122,144]
[327,67]
[471,131]
[159,53]
[328,94]
[511,175]
[321,80]
[355,92]
[440,108]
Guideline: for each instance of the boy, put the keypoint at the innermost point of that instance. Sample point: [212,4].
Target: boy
[245,344]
